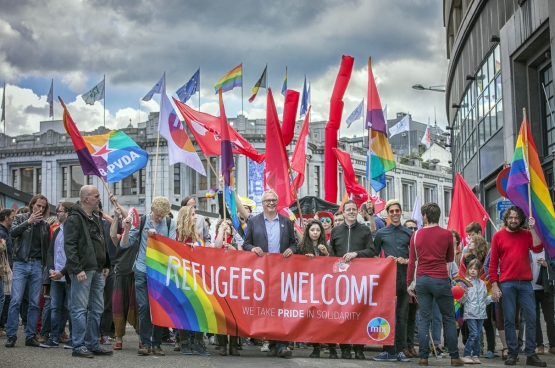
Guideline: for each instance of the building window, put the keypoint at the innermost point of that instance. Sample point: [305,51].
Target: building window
[77,180]
[193,180]
[202,205]
[548,115]
[388,192]
[39,181]
[129,184]
[430,194]
[446,202]
[15,179]
[317,181]
[64,181]
[203,180]
[27,180]
[408,194]
[213,178]
[142,181]
[177,179]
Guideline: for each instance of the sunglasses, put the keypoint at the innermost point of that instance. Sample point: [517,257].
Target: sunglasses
[413,228]
[393,211]
[325,219]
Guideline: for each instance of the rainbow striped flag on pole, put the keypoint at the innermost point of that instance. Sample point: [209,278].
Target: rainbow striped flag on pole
[526,172]
[379,159]
[232,79]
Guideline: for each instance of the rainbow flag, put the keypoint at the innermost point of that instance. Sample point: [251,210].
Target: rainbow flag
[284,87]
[233,78]
[211,193]
[379,151]
[183,308]
[526,170]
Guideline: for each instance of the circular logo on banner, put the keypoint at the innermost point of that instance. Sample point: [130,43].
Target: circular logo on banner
[378,329]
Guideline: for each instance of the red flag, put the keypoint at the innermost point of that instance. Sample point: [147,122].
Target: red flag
[276,171]
[206,130]
[465,208]
[298,161]
[289,115]
[355,190]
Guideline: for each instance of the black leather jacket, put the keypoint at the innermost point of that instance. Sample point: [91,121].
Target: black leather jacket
[22,233]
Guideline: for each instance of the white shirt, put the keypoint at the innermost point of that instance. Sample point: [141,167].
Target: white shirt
[536,268]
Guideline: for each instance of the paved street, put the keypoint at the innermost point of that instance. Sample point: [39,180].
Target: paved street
[22,357]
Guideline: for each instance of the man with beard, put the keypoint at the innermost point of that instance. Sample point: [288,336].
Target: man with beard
[510,248]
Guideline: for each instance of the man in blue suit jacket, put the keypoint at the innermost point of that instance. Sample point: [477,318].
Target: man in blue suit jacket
[270,232]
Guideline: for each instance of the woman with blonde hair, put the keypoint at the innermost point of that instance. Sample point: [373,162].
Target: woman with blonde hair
[186,232]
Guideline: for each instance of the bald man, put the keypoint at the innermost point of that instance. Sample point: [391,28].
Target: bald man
[87,264]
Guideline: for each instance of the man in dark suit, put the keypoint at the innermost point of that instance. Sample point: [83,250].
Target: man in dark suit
[270,232]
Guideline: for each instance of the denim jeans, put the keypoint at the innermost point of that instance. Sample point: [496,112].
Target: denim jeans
[437,321]
[46,322]
[472,346]
[429,289]
[59,294]
[87,305]
[146,329]
[401,312]
[522,292]
[25,273]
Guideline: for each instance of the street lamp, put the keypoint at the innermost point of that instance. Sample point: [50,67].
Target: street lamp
[438,88]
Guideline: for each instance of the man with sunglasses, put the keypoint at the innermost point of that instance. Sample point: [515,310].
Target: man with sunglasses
[394,240]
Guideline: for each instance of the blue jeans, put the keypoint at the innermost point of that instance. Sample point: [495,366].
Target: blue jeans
[524,293]
[436,324]
[46,323]
[25,273]
[59,294]
[146,329]
[87,305]
[428,290]
[472,346]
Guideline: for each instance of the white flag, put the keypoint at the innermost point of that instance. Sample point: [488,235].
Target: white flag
[50,99]
[356,114]
[401,126]
[427,138]
[180,147]
[416,214]
[158,88]
[95,94]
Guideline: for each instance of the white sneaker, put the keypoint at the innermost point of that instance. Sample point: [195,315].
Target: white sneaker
[265,347]
[212,340]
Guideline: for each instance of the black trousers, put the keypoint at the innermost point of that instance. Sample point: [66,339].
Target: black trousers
[545,301]
[107,316]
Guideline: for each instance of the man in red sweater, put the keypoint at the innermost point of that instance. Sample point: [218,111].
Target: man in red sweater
[433,247]
[511,276]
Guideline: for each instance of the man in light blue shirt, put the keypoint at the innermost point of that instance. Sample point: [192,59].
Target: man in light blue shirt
[155,223]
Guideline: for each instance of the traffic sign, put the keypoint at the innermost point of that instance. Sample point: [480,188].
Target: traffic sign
[502,207]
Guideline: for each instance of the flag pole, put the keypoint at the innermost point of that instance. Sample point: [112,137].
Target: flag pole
[199,92]
[296,194]
[492,224]
[104,101]
[52,99]
[369,159]
[242,110]
[527,163]
[158,143]
[209,164]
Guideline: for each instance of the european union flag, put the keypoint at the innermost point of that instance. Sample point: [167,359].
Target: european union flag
[305,98]
[190,88]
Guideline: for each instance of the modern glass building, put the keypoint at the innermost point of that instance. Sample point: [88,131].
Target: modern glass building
[500,61]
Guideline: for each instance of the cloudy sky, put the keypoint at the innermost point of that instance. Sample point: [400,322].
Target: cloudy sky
[133,42]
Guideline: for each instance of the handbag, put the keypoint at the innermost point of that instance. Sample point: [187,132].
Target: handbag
[6,274]
[412,285]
